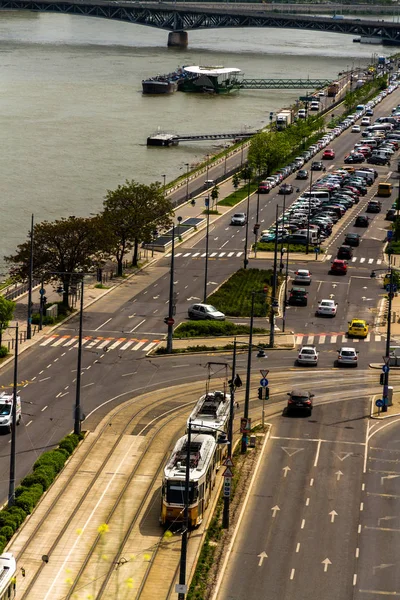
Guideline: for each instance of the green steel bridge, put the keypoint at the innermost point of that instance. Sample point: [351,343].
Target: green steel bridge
[283,84]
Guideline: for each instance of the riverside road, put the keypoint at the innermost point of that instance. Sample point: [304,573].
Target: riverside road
[334,439]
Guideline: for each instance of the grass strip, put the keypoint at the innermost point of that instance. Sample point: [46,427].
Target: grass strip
[192,329]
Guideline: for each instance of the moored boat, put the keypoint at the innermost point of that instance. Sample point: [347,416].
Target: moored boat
[210,80]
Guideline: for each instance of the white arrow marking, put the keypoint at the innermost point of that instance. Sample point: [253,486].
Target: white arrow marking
[334,285]
[175,282]
[155,297]
[275,510]
[383,566]
[389,477]
[331,296]
[342,455]
[192,298]
[333,514]
[326,562]
[286,469]
[291,451]
[131,316]
[338,475]
[385,519]
[212,283]
[215,239]
[261,557]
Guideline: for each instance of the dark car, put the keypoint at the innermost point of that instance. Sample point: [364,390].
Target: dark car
[286,188]
[377,160]
[317,165]
[374,206]
[299,401]
[354,158]
[352,239]
[302,174]
[298,296]
[361,221]
[391,214]
[345,252]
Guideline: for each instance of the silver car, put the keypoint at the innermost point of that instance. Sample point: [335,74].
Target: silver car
[302,276]
[308,355]
[205,311]
[347,356]
[238,219]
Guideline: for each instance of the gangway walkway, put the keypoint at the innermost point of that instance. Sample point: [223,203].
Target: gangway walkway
[283,84]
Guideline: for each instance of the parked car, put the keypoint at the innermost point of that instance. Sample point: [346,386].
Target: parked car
[308,355]
[205,311]
[347,356]
[391,214]
[299,401]
[239,219]
[264,187]
[357,157]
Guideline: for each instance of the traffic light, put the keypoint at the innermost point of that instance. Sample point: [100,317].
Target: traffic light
[260,393]
[267,393]
[382,379]
[166,319]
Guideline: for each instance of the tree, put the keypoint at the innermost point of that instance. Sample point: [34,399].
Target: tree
[215,194]
[236,180]
[131,213]
[62,247]
[267,150]
[7,308]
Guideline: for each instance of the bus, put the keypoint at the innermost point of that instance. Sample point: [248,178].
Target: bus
[202,473]
[211,415]
[8,581]
[333,88]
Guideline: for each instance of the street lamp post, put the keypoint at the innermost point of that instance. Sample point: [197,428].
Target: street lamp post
[164,178]
[283,227]
[11,487]
[187,181]
[182,566]
[207,203]
[274,282]
[286,289]
[78,416]
[170,319]
[257,225]
[248,374]
[245,260]
[309,213]
[387,353]
[30,284]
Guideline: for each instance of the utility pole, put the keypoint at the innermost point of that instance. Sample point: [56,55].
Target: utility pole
[170,319]
[274,277]
[30,284]
[78,416]
[11,487]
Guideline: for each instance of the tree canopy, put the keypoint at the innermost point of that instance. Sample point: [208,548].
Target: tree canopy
[7,308]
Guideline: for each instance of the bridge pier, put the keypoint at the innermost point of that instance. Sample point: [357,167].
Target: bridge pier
[178,39]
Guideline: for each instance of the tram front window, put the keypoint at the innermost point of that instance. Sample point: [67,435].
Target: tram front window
[176,492]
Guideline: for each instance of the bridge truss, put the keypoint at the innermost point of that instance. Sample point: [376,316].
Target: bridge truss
[173,17]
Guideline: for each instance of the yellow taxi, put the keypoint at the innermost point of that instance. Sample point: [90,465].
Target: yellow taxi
[358,328]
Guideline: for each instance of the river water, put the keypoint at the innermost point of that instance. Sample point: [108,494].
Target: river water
[74,123]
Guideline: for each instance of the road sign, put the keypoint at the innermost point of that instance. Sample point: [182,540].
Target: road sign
[228,462]
[385,368]
[228,473]
[379,403]
[264,382]
[316,250]
[386,359]
[170,321]
[389,235]
[42,291]
[391,288]
[264,373]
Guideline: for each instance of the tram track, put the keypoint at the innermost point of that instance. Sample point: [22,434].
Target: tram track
[145,514]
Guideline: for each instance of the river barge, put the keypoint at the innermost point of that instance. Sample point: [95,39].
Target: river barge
[164,84]
[210,80]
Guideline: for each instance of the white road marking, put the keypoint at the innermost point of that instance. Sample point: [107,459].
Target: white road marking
[333,339]
[102,325]
[370,261]
[44,408]
[125,346]
[187,254]
[230,254]
[362,260]
[298,547]
[317,453]
[115,344]
[307,501]
[292,573]
[149,346]
[303,523]
[354,578]
[27,425]
[70,342]
[59,341]
[139,345]
[50,339]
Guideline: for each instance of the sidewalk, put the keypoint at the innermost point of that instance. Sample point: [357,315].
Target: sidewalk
[392,411]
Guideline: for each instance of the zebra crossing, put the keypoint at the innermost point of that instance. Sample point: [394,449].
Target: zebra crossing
[361,260]
[334,338]
[100,343]
[198,255]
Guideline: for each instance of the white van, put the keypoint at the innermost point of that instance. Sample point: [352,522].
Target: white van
[318,194]
[312,235]
[6,401]
[365,175]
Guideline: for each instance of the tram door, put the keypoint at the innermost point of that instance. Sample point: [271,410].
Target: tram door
[201,501]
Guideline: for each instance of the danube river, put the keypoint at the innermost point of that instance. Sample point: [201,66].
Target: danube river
[74,122]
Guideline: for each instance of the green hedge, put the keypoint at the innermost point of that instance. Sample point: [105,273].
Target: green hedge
[270,247]
[3,351]
[31,488]
[212,329]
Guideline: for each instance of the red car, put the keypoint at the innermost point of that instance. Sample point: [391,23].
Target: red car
[339,266]
[264,187]
[329,154]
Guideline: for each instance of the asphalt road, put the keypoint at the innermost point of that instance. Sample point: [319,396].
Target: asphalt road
[119,328]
